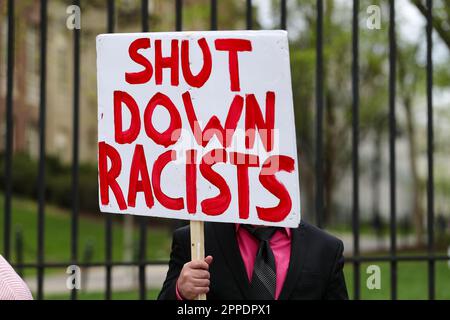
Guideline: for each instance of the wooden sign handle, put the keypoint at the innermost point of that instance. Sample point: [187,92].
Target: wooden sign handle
[198,245]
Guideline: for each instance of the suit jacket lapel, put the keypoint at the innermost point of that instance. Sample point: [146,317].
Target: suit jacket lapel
[299,251]
[226,237]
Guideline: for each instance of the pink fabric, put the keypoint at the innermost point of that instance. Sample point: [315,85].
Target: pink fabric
[12,287]
[281,248]
[179,297]
[248,246]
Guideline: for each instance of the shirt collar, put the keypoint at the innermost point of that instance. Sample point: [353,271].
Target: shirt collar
[286,230]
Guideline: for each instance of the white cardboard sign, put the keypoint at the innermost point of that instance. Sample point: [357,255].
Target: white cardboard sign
[198,126]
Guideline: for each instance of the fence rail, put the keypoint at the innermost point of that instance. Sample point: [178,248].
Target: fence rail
[142,261]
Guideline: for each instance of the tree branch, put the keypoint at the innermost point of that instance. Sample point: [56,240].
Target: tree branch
[438,23]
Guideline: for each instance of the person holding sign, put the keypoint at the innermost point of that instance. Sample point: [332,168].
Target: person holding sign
[257,263]
[200,126]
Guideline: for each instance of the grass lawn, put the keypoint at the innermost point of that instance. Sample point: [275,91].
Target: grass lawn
[118,295]
[412,281]
[91,231]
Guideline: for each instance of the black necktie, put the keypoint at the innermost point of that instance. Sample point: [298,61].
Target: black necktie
[264,276]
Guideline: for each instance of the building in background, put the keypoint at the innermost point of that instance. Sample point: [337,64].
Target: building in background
[59,133]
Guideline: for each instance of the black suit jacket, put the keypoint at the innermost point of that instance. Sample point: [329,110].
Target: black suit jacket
[315,267]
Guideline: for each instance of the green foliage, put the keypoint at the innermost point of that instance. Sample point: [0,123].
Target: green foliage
[58,181]
[337,83]
[441,75]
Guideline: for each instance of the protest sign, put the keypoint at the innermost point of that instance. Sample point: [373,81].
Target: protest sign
[198,126]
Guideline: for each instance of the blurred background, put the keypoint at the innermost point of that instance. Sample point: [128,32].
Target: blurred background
[48,177]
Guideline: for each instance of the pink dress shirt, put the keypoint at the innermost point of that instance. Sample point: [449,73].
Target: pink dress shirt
[12,286]
[248,246]
[281,248]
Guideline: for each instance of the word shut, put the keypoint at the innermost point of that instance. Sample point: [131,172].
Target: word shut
[198,126]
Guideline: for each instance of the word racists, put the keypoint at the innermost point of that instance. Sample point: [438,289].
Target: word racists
[198,126]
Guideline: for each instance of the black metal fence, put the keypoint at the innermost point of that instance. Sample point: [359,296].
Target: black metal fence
[357,259]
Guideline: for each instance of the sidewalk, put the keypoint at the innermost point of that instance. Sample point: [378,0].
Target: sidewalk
[123,279]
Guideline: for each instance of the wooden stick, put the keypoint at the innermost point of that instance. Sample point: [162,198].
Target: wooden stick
[198,245]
